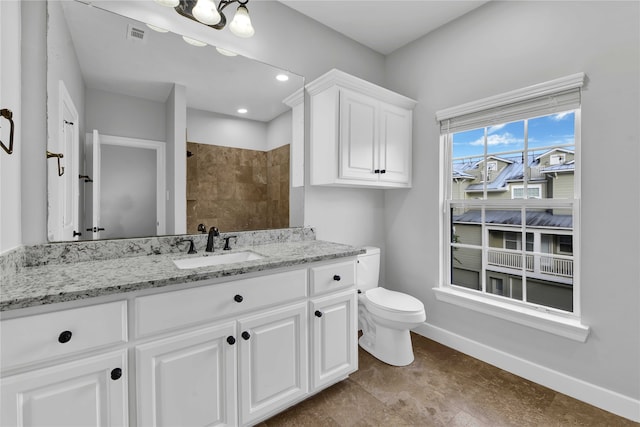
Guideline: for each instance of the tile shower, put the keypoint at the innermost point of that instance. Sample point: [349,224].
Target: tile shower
[237,189]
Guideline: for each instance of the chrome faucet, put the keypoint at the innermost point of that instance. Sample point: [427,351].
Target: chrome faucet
[213,231]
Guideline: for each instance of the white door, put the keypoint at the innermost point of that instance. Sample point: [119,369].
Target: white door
[83,393]
[188,380]
[273,366]
[395,144]
[70,192]
[358,136]
[334,348]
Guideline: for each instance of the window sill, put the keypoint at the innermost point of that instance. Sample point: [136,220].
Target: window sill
[544,321]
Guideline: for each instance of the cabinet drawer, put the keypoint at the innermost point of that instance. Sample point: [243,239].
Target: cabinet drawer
[35,338]
[171,310]
[332,277]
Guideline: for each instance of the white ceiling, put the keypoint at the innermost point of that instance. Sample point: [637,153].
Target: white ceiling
[383,25]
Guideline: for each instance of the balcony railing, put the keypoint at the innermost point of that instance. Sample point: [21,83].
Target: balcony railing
[544,264]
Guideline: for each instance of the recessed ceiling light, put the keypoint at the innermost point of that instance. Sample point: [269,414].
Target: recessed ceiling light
[282,77]
[158,29]
[193,42]
[168,3]
[225,52]
[242,110]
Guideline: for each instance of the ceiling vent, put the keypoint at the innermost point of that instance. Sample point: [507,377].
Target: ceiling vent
[136,33]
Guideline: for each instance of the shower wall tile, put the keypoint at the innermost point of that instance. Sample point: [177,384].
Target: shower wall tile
[237,189]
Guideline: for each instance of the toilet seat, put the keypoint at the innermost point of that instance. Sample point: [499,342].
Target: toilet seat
[393,301]
[394,306]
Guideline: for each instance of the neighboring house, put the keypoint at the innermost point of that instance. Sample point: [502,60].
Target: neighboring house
[546,255]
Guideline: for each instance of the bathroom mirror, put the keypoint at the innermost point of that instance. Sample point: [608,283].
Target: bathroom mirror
[119,96]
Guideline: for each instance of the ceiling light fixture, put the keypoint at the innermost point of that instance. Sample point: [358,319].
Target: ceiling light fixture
[282,77]
[193,42]
[225,52]
[243,110]
[207,13]
[158,29]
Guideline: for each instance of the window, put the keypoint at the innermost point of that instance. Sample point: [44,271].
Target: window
[492,219]
[492,166]
[534,191]
[556,159]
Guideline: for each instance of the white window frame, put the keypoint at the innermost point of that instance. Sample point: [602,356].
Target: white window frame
[529,187]
[554,321]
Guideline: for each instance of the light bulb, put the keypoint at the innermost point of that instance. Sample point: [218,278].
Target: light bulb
[193,42]
[243,110]
[241,24]
[158,29]
[282,77]
[225,52]
[168,3]
[206,12]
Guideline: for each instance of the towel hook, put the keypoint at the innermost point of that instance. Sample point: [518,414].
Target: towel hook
[58,156]
[7,114]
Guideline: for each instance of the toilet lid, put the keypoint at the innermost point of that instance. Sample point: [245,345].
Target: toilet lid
[393,301]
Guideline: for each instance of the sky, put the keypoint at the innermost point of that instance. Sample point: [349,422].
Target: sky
[543,132]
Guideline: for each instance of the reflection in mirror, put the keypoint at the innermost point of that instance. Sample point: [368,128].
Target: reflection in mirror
[120,96]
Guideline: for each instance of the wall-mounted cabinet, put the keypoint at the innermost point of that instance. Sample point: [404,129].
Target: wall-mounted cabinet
[361,134]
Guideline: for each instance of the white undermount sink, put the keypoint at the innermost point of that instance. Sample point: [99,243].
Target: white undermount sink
[209,261]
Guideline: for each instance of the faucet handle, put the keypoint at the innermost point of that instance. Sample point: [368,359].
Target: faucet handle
[202,228]
[214,231]
[226,242]
[192,247]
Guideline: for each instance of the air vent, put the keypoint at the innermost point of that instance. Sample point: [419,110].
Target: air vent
[135,33]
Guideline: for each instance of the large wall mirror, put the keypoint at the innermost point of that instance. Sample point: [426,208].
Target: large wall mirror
[120,164]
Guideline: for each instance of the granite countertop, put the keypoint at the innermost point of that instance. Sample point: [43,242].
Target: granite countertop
[34,286]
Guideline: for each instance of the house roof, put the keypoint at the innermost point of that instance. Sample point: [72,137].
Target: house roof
[510,217]
[551,151]
[565,167]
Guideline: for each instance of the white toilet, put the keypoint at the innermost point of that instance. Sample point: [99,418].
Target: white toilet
[385,316]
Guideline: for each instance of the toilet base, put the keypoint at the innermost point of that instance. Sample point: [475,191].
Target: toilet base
[392,346]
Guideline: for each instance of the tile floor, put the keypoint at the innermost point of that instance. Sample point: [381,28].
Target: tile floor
[442,387]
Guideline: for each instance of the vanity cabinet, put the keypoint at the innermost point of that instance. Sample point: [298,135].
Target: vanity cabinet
[220,352]
[60,368]
[273,362]
[188,379]
[361,134]
[334,347]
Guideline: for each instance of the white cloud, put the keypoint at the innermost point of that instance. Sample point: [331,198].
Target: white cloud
[494,129]
[498,139]
[560,116]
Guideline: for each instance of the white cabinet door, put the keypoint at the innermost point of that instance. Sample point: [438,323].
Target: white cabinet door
[188,380]
[334,349]
[358,136]
[395,144]
[273,365]
[87,392]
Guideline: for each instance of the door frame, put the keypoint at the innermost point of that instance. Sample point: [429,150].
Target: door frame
[160,149]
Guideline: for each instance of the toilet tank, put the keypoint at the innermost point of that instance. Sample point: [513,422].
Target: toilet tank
[368,269]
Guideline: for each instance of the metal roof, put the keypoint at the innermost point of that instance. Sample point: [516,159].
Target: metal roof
[544,219]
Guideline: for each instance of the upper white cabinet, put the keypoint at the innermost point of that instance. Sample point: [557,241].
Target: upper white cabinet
[361,134]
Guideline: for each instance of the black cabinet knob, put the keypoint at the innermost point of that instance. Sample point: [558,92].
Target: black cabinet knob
[231,340]
[116,374]
[376,171]
[318,313]
[383,171]
[64,337]
[336,278]
[238,298]
[246,335]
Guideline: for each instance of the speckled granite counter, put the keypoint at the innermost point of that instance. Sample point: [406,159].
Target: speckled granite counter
[53,283]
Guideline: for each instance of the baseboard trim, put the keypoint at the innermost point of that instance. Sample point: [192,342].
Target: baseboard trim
[600,397]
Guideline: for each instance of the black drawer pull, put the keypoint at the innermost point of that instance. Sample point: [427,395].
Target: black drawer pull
[318,313]
[231,340]
[238,298]
[116,374]
[64,337]
[336,278]
[246,335]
